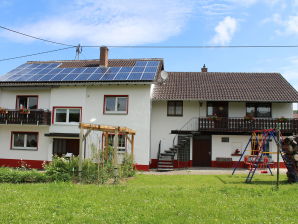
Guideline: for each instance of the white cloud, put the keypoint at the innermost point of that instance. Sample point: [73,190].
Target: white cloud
[225,31]
[114,22]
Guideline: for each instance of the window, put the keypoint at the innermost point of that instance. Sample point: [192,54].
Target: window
[219,109]
[258,109]
[24,140]
[121,142]
[27,102]
[67,115]
[116,104]
[175,108]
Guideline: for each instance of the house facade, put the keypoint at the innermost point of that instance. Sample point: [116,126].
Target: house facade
[208,117]
[205,115]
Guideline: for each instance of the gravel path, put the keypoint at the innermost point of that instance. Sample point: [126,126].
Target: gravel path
[206,171]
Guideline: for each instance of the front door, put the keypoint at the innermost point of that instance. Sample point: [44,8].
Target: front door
[201,153]
[62,146]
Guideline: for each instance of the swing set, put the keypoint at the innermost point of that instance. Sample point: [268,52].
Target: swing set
[259,153]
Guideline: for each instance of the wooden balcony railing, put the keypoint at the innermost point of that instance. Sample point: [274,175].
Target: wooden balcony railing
[34,117]
[242,125]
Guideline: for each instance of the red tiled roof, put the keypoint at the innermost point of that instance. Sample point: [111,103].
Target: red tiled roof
[225,86]
[95,62]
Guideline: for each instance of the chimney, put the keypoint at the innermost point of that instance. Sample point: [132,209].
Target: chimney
[104,59]
[204,69]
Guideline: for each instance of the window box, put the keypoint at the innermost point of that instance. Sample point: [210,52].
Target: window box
[24,140]
[175,108]
[116,104]
[67,115]
[24,111]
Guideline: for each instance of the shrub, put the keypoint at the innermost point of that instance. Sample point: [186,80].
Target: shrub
[10,175]
[98,169]
[127,168]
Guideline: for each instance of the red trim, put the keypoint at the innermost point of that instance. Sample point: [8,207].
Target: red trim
[65,107]
[17,100]
[142,167]
[35,164]
[104,104]
[25,132]
[153,164]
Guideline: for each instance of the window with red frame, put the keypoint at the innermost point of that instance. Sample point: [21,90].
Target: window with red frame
[121,142]
[27,102]
[67,115]
[116,105]
[24,140]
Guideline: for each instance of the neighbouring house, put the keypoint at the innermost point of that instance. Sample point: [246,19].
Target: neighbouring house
[183,120]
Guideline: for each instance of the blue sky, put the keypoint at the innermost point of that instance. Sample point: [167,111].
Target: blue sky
[158,22]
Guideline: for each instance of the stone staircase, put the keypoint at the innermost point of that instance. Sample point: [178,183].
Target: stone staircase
[166,158]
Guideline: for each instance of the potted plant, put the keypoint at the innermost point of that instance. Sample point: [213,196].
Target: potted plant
[3,110]
[24,111]
[281,119]
[214,118]
[249,117]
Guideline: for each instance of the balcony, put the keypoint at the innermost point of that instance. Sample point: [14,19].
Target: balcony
[34,117]
[238,125]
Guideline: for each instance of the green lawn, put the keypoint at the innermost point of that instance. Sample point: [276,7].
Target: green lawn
[153,199]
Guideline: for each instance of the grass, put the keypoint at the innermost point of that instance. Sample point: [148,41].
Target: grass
[153,199]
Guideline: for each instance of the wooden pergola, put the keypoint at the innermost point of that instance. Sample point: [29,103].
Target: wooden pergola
[106,129]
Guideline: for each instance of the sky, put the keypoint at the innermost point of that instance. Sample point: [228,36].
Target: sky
[157,23]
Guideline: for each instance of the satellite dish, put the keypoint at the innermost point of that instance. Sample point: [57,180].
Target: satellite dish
[164,75]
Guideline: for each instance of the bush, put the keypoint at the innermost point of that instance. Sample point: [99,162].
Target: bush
[60,169]
[10,175]
[127,168]
[99,169]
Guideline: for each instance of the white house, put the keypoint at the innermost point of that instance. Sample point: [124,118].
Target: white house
[42,103]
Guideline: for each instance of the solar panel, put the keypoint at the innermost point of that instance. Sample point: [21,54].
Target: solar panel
[138,69]
[108,76]
[83,77]
[141,63]
[135,76]
[95,77]
[121,76]
[70,77]
[150,69]
[148,76]
[45,78]
[126,69]
[48,72]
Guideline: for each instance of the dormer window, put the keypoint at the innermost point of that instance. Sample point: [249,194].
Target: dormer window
[27,102]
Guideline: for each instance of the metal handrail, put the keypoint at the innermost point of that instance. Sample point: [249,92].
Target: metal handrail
[185,125]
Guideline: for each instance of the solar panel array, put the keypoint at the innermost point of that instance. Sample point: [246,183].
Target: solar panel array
[50,72]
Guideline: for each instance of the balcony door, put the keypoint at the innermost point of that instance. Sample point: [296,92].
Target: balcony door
[219,109]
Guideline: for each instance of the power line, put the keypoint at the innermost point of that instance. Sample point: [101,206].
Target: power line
[28,55]
[199,46]
[37,38]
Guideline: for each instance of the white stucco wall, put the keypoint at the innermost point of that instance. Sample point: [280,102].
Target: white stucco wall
[138,117]
[237,109]
[8,96]
[225,149]
[91,99]
[282,110]
[161,124]
[43,143]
